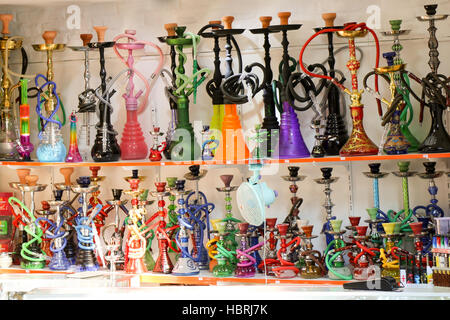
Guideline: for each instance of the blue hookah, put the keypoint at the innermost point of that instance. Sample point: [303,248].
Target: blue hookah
[432,210]
[199,210]
[253,239]
[185,265]
[55,232]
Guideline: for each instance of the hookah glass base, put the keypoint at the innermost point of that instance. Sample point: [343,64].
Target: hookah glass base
[344,271]
[291,144]
[59,261]
[133,146]
[86,260]
[361,273]
[26,264]
[437,139]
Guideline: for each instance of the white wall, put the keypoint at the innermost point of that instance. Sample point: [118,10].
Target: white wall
[148,17]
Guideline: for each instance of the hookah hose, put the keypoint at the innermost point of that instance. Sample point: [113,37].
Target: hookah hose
[161,228]
[364,250]
[56,233]
[195,212]
[337,252]
[83,224]
[182,81]
[184,250]
[355,26]
[392,264]
[36,235]
[317,260]
[250,260]
[287,265]
[154,75]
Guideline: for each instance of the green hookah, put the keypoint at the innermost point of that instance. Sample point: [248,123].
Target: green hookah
[150,235]
[405,121]
[184,146]
[225,258]
[172,213]
[334,259]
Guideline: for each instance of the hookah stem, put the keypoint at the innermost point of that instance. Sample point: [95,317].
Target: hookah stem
[352,52]
[376,194]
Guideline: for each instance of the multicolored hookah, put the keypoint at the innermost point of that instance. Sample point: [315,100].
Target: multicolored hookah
[117,235]
[334,260]
[232,145]
[287,268]
[73,155]
[56,233]
[185,265]
[94,200]
[420,256]
[270,248]
[246,265]
[163,262]
[359,144]
[327,180]
[88,239]
[133,146]
[291,144]
[136,242]
[313,266]
[435,90]
[335,134]
[390,266]
[105,147]
[184,145]
[86,102]
[199,210]
[157,148]
[33,257]
[51,147]
[172,213]
[8,131]
[363,260]
[225,258]
[395,142]
[24,147]
[170,88]
[405,121]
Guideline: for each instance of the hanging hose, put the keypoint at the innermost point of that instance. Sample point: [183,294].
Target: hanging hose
[287,265]
[55,232]
[83,225]
[250,259]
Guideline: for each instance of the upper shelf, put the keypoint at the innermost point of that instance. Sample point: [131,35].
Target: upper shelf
[147,163]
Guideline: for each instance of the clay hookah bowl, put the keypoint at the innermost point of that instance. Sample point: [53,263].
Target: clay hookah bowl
[66,185]
[13,44]
[31,184]
[226,179]
[354,222]
[86,38]
[21,173]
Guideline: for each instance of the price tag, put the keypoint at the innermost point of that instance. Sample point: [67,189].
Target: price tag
[286,161]
[425,156]
[163,163]
[342,158]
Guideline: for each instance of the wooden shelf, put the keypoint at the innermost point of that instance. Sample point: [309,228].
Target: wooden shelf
[146,163]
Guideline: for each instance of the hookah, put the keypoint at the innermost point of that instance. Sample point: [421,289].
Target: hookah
[172,213]
[395,32]
[56,232]
[334,259]
[69,213]
[327,180]
[74,154]
[24,147]
[33,257]
[291,144]
[435,90]
[232,144]
[419,258]
[184,146]
[246,265]
[51,146]
[396,142]
[86,102]
[105,147]
[117,236]
[359,144]
[390,261]
[170,88]
[157,149]
[9,146]
[230,241]
[335,134]
[85,228]
[136,241]
[163,262]
[199,210]
[185,265]
[143,203]
[363,261]
[313,267]
[133,146]
[296,202]
[287,268]
[225,258]
[270,249]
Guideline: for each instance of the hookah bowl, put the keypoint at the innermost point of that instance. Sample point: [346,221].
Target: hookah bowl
[8,129]
[157,149]
[51,146]
[327,180]
[313,267]
[291,144]
[199,210]
[232,145]
[185,265]
[85,258]
[395,32]
[105,147]
[86,102]
[359,144]
[335,134]
[437,139]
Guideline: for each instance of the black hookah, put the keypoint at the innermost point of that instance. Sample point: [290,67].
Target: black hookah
[170,28]
[435,90]
[105,148]
[335,135]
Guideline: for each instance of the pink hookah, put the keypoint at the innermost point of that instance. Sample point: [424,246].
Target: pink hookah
[133,146]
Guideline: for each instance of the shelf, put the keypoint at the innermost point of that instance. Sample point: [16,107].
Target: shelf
[146,163]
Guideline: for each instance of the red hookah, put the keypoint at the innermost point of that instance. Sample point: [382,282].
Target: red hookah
[363,260]
[157,149]
[283,253]
[271,241]
[133,146]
